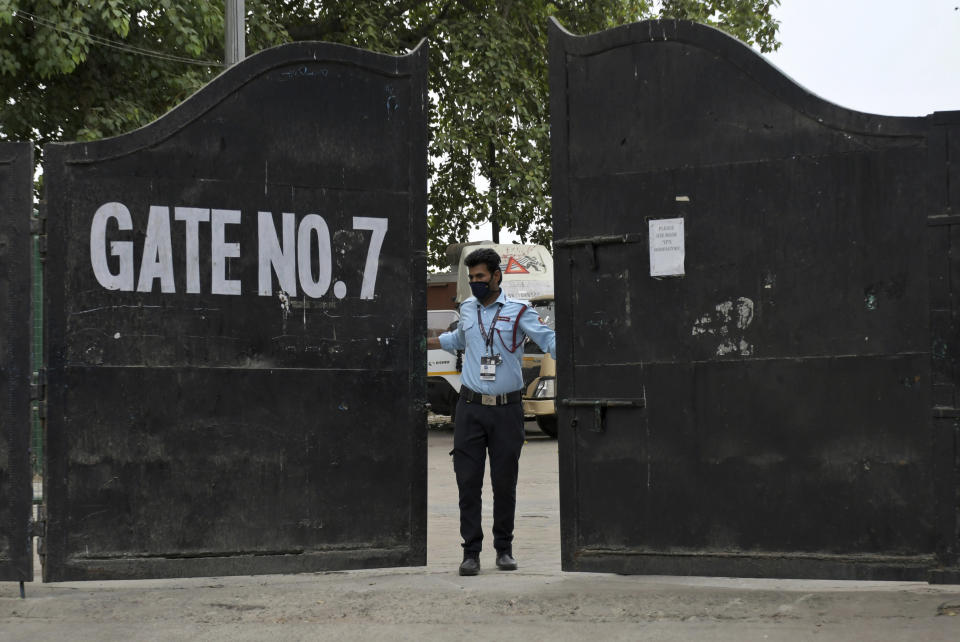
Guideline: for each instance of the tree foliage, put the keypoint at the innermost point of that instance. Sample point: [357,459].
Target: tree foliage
[82,70]
[66,78]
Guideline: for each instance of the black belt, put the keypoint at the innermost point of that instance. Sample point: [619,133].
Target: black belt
[490,400]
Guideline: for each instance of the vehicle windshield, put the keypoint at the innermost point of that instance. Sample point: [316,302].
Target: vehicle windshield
[439,321]
[545,310]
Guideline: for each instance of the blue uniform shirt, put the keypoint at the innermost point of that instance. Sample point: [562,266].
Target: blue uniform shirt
[501,315]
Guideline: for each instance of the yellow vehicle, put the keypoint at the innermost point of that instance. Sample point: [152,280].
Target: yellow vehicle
[540,396]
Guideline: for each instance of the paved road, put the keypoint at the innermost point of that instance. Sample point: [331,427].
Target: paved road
[537,529]
[536,602]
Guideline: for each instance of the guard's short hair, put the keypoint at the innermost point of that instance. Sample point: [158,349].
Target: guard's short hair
[486,256]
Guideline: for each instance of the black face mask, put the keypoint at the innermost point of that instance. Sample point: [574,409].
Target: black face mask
[480,289]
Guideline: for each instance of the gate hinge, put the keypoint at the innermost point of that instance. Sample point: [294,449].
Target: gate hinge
[600,408]
[38,384]
[593,241]
[944,412]
[946,218]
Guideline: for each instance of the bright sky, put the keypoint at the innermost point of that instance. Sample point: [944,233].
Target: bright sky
[899,58]
[893,57]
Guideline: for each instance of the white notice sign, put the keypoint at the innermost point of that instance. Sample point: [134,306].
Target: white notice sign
[666,247]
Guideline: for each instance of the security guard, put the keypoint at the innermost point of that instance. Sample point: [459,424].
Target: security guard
[489,417]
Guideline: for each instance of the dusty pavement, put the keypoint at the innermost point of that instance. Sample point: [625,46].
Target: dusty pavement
[536,602]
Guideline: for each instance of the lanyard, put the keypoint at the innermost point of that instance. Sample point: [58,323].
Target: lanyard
[487,338]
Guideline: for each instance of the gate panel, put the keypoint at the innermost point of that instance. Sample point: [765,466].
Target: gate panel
[236,309]
[944,243]
[784,424]
[16,488]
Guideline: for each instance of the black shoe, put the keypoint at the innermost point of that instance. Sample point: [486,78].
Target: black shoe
[505,562]
[470,566]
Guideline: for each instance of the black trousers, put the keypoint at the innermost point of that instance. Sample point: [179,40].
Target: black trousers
[499,430]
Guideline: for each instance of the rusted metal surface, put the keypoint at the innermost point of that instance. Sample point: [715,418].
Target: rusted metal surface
[16,494]
[236,301]
[787,368]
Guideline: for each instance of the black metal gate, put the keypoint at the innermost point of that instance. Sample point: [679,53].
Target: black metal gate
[748,268]
[944,254]
[236,305]
[16,489]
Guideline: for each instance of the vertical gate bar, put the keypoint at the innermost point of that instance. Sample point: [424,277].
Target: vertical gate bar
[953,206]
[417,410]
[944,256]
[36,349]
[16,551]
[941,349]
[951,162]
[53,543]
[563,287]
[952,189]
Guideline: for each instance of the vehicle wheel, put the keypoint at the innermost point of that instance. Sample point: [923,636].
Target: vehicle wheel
[547,424]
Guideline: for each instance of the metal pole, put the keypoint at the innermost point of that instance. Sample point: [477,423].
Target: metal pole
[235,41]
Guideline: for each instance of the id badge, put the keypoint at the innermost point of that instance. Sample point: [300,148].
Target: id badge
[488,367]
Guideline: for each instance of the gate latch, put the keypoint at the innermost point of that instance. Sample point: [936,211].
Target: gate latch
[600,408]
[593,241]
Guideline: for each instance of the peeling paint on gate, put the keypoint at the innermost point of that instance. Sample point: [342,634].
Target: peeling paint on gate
[728,320]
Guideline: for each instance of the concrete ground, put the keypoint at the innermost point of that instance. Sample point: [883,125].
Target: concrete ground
[536,602]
